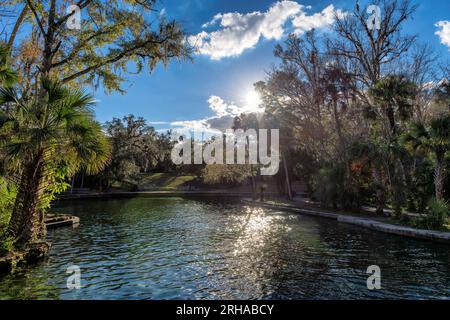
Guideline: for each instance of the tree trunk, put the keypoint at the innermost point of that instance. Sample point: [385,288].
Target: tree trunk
[439,176]
[27,220]
[378,191]
[82,179]
[288,182]
[391,117]
[339,128]
[17,25]
[399,187]
[254,193]
[72,185]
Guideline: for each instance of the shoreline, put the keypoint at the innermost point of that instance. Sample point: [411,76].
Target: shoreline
[369,223]
[156,194]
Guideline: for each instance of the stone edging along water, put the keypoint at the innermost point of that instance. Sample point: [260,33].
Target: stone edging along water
[155,194]
[437,236]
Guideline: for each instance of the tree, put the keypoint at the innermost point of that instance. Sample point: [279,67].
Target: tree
[311,96]
[370,56]
[433,138]
[233,174]
[373,52]
[45,143]
[137,148]
[373,154]
[394,95]
[113,33]
[246,122]
[393,98]
[7,190]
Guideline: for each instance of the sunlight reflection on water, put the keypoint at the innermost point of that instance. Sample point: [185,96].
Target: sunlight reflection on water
[187,249]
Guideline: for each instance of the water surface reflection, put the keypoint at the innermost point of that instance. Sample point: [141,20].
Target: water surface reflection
[187,249]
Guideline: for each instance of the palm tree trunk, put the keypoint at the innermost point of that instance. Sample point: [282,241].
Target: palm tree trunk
[391,117]
[27,220]
[439,175]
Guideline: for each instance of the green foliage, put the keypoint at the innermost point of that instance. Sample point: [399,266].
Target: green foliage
[7,76]
[226,174]
[420,187]
[62,130]
[57,176]
[434,137]
[334,188]
[433,140]
[166,181]
[437,215]
[306,169]
[45,140]
[137,149]
[395,92]
[120,37]
[7,196]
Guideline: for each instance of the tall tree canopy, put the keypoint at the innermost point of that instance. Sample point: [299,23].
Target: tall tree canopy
[113,34]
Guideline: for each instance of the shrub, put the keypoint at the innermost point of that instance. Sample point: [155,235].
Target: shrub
[7,197]
[214,174]
[420,187]
[438,213]
[334,188]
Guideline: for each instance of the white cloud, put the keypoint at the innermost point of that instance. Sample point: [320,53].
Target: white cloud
[222,120]
[197,125]
[221,123]
[221,108]
[237,32]
[157,122]
[444,32]
[303,23]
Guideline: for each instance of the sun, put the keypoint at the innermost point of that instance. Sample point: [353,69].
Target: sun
[252,101]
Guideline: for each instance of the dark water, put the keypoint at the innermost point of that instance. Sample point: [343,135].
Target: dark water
[186,249]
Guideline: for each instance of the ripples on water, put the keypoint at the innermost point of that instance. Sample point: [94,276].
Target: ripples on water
[175,248]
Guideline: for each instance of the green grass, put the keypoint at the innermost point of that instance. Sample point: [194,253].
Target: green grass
[165,181]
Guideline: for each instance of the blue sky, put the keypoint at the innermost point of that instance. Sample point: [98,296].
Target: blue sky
[181,91]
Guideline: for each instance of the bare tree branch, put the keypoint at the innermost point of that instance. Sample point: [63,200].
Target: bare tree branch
[36,16]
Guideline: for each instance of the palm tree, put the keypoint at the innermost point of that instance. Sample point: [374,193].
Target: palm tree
[435,139]
[393,94]
[45,143]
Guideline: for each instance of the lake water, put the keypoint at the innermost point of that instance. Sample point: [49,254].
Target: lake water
[175,248]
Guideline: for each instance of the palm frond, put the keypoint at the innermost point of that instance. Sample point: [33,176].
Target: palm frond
[8,95]
[440,129]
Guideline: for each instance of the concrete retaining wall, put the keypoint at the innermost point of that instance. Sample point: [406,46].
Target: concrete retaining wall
[438,236]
